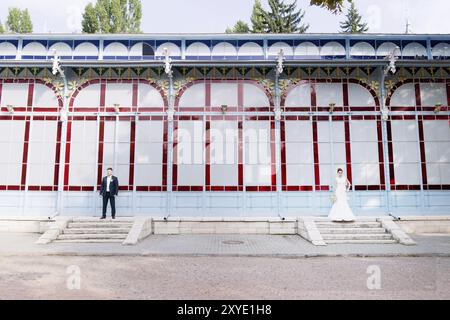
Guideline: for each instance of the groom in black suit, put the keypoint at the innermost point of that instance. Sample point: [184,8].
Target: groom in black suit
[109,190]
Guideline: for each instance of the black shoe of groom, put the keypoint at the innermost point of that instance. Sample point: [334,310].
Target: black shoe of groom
[102,218]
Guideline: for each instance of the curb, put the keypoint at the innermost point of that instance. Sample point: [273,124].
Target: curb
[232,255]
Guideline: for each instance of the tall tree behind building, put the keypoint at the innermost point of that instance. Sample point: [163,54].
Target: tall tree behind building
[353,22]
[281,18]
[18,21]
[239,27]
[332,5]
[2,30]
[113,16]
[284,18]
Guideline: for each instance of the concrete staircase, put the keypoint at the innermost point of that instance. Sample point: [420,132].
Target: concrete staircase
[366,231]
[91,230]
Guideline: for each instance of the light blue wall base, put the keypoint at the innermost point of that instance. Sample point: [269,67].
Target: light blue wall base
[228,204]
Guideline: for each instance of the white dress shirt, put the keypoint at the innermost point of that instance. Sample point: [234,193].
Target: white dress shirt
[107,184]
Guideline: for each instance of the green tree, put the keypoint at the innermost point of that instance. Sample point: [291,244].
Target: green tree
[239,27]
[284,18]
[19,21]
[26,26]
[112,16]
[333,5]
[90,23]
[353,22]
[257,18]
[2,30]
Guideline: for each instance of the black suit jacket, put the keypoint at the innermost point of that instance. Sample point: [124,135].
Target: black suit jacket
[113,186]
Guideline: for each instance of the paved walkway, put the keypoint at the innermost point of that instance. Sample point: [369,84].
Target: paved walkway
[224,245]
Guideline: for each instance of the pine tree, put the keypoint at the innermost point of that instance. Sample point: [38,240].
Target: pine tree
[257,18]
[333,5]
[353,22]
[284,18]
[239,27]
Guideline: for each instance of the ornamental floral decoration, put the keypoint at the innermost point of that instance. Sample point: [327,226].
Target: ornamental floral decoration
[267,84]
[180,84]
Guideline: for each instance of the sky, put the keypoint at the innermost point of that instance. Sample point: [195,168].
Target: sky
[214,16]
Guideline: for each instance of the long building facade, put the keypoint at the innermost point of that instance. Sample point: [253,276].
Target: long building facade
[225,125]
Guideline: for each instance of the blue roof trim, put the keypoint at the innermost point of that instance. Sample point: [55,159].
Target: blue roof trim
[68,42]
[175,42]
[232,42]
[206,42]
[240,43]
[126,43]
[43,42]
[94,42]
[13,42]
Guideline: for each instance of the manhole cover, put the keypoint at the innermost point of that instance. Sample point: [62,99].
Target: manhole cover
[233,242]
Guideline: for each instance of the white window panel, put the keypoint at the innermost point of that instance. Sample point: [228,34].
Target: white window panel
[323,131]
[299,96]
[44,96]
[88,97]
[224,94]
[149,153]
[194,96]
[329,93]
[148,175]
[83,153]
[300,175]
[190,131]
[404,130]
[436,130]
[358,96]
[407,174]
[405,96]
[14,94]
[255,96]
[149,131]
[364,131]
[119,93]
[257,175]
[149,96]
[406,152]
[297,153]
[191,175]
[223,147]
[224,175]
[82,174]
[433,94]
[298,131]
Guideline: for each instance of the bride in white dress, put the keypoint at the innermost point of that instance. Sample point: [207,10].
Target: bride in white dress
[341,211]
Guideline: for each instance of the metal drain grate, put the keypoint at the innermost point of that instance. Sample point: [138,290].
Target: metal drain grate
[233,242]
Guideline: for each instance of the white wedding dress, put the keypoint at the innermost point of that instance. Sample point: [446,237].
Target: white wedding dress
[341,211]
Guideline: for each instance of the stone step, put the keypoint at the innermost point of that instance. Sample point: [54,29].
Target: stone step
[95,220]
[99,225]
[361,242]
[321,224]
[90,241]
[91,236]
[383,236]
[324,231]
[97,231]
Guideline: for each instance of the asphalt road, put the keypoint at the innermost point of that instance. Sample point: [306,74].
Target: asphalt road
[47,277]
